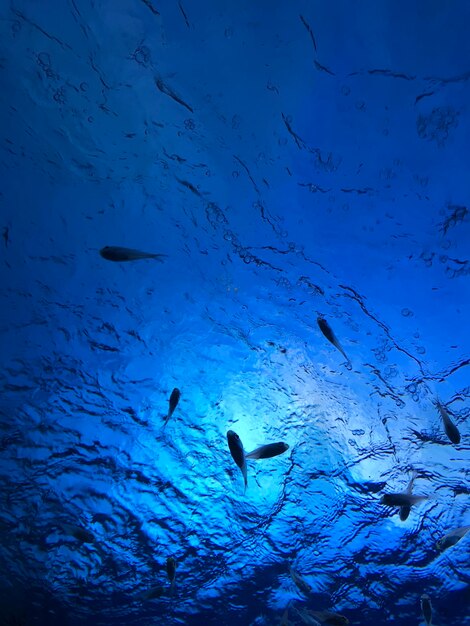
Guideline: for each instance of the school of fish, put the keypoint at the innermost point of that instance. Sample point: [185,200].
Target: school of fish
[403,501]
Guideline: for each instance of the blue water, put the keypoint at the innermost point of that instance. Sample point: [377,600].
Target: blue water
[292,160]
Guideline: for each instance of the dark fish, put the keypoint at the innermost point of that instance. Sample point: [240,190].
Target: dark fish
[426,608]
[115,253]
[173,403]
[78,532]
[171,571]
[153,593]
[406,508]
[6,236]
[301,584]
[330,618]
[329,334]
[285,618]
[268,451]
[404,512]
[238,454]
[401,499]
[452,537]
[451,429]
[306,618]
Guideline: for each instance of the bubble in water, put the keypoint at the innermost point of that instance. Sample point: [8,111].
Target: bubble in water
[142,55]
[59,96]
[390,371]
[407,313]
[421,350]
[44,60]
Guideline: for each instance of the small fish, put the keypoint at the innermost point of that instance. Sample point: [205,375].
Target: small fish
[115,253]
[451,429]
[401,499]
[406,508]
[426,608]
[171,572]
[238,454]
[301,584]
[78,532]
[330,618]
[268,451]
[285,618]
[452,537]
[6,236]
[329,334]
[153,593]
[172,403]
[307,618]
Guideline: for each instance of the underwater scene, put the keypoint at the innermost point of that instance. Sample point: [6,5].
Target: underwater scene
[234,315]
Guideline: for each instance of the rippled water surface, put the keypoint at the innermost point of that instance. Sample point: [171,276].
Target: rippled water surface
[291,160]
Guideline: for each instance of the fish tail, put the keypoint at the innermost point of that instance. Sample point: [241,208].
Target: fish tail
[159,257]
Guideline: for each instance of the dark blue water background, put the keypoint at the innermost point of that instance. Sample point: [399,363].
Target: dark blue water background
[291,159]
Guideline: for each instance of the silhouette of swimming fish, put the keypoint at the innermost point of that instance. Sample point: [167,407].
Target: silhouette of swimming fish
[79,532]
[301,584]
[306,618]
[451,429]
[452,537]
[426,608]
[330,618]
[401,499]
[116,253]
[171,572]
[406,508]
[329,334]
[238,454]
[172,404]
[267,451]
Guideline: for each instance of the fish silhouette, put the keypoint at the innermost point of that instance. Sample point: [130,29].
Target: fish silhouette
[329,334]
[238,454]
[172,404]
[119,254]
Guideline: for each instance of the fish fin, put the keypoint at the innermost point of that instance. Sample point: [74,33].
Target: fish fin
[348,360]
[159,257]
[254,454]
